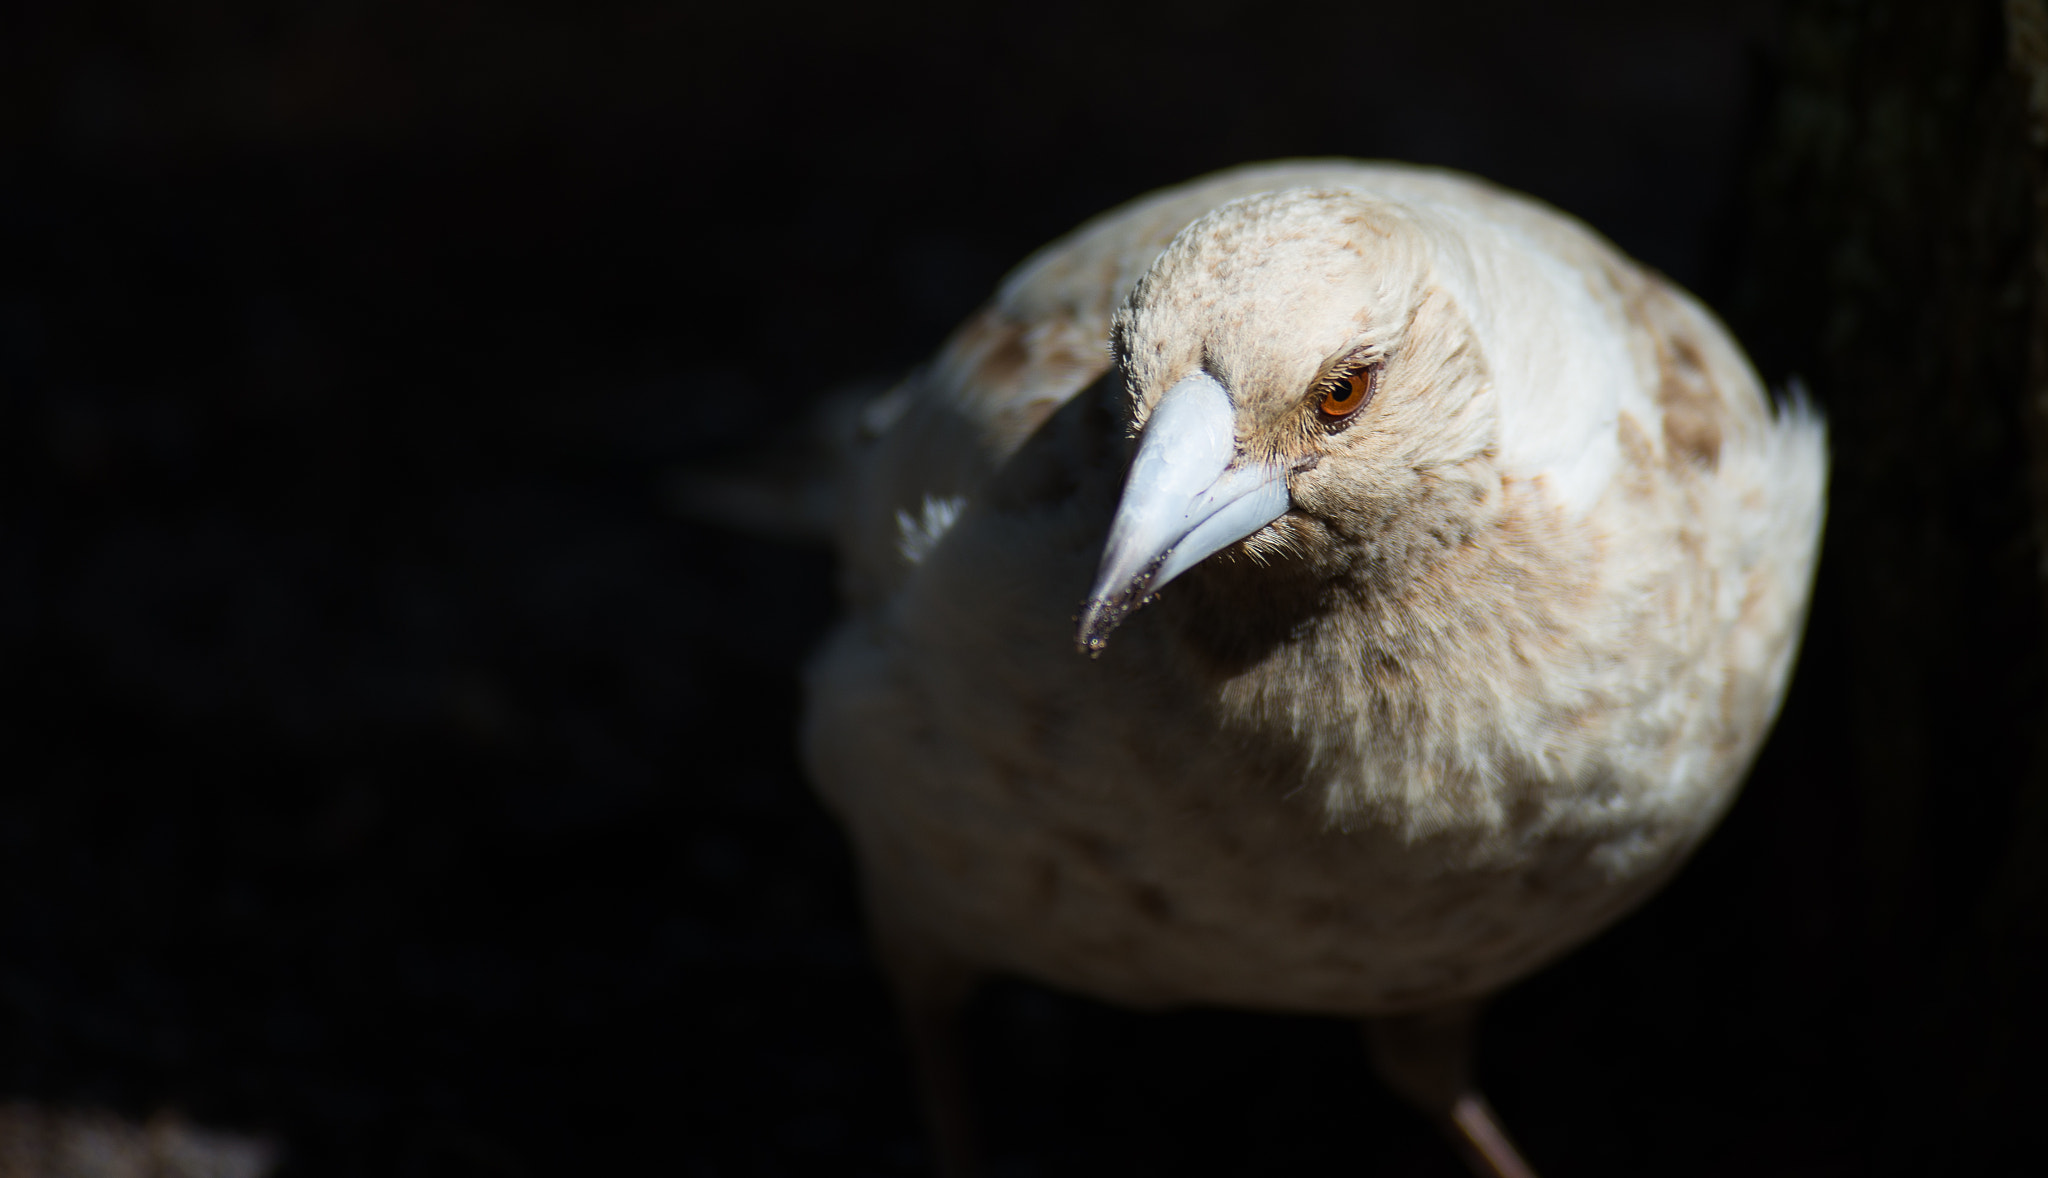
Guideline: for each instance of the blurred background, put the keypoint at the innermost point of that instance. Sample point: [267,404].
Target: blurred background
[388,771]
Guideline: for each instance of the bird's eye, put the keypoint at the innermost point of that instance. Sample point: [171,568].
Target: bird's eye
[1347,396]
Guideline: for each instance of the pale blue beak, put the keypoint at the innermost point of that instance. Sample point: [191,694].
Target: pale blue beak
[1188,497]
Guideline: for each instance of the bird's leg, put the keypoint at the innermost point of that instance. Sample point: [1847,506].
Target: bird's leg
[1426,1058]
[931,987]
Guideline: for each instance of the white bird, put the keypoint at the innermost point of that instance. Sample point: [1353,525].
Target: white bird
[1472,561]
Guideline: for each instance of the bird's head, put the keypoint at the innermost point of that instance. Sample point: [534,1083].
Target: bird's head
[1295,365]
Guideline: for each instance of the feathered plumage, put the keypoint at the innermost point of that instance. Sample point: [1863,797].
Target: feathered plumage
[1463,638]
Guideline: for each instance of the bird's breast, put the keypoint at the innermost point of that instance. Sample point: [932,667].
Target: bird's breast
[1274,789]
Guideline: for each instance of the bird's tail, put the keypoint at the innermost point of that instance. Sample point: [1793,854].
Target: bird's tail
[794,489]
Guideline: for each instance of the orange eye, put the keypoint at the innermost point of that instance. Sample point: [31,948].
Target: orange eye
[1347,396]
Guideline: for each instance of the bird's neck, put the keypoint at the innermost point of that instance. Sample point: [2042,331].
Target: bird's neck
[1354,579]
[1384,617]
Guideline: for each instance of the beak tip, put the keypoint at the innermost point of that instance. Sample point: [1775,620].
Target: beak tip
[1109,607]
[1098,618]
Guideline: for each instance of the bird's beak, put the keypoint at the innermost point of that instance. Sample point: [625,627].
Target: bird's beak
[1187,497]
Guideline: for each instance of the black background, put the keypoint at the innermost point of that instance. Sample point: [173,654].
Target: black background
[389,768]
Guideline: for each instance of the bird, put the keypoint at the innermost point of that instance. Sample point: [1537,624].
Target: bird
[1323,586]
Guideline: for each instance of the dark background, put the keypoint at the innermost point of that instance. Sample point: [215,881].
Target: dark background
[390,770]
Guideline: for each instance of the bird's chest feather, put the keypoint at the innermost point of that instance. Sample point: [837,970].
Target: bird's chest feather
[1327,803]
